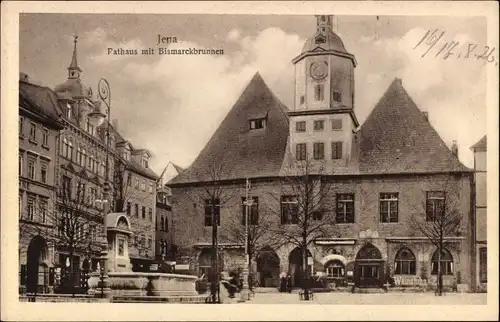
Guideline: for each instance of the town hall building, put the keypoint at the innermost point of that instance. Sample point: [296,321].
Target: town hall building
[372,182]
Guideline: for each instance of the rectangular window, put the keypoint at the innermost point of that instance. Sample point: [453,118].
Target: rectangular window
[143,212]
[257,124]
[435,205]
[21,165]
[150,214]
[45,137]
[302,99]
[66,187]
[317,215]
[483,265]
[336,150]
[337,124]
[145,163]
[301,151]
[212,207]
[21,126]
[43,173]
[143,185]
[345,208]
[31,170]
[136,183]
[319,125]
[129,206]
[136,210]
[289,210]
[336,96]
[43,210]
[300,126]
[93,195]
[319,151]
[150,242]
[319,92]
[253,214]
[151,187]
[31,208]
[129,179]
[33,132]
[388,207]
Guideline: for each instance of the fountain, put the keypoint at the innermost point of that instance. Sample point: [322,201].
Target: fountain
[123,285]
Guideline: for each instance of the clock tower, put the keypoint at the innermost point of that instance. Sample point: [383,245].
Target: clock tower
[323,119]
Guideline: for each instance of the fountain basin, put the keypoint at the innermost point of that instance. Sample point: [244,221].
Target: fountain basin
[138,284]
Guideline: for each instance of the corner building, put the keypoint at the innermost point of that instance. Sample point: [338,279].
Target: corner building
[377,175]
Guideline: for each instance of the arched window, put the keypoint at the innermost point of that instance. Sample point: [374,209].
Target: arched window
[446,262]
[405,263]
[335,268]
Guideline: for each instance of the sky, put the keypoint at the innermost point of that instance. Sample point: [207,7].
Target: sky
[171,105]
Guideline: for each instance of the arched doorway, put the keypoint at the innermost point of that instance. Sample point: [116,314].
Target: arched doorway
[36,270]
[268,267]
[295,267]
[369,267]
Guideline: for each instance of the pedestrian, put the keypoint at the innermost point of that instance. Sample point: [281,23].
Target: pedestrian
[282,282]
[289,283]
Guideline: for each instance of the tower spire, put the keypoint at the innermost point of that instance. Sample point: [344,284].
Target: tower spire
[73,69]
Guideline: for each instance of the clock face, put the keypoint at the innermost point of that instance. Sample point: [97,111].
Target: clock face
[319,70]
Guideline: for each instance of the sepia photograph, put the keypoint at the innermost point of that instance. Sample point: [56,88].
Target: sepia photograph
[311,158]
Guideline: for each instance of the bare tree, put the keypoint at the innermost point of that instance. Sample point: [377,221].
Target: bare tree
[212,195]
[70,225]
[438,218]
[259,235]
[304,211]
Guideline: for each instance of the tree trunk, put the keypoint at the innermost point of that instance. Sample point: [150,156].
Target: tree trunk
[71,273]
[440,274]
[305,279]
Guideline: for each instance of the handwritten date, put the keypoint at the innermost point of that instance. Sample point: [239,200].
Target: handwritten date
[433,43]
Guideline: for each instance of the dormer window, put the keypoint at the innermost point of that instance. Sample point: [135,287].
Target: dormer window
[320,39]
[257,124]
[145,163]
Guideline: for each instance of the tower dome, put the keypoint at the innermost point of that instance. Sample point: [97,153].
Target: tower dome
[324,38]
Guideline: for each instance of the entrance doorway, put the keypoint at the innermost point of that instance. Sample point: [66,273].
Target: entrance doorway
[36,270]
[268,268]
[295,267]
[369,267]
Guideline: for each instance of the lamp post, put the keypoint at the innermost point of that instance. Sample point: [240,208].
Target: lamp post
[245,294]
[96,118]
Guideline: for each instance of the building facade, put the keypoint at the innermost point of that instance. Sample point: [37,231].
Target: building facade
[372,182]
[65,163]
[39,128]
[481,217]
[165,248]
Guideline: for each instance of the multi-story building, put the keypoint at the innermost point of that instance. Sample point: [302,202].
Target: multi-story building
[481,200]
[60,148]
[165,248]
[374,181]
[137,183]
[38,144]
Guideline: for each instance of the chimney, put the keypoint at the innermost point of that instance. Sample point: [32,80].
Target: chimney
[454,148]
[115,124]
[426,115]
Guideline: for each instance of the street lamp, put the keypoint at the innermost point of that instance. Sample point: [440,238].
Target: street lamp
[245,294]
[96,118]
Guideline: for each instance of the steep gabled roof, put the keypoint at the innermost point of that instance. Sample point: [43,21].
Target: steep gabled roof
[40,100]
[480,145]
[398,138]
[235,151]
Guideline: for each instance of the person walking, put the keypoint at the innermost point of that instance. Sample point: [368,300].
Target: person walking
[282,286]
[289,283]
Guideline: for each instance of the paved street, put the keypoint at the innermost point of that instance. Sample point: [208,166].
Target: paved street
[374,299]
